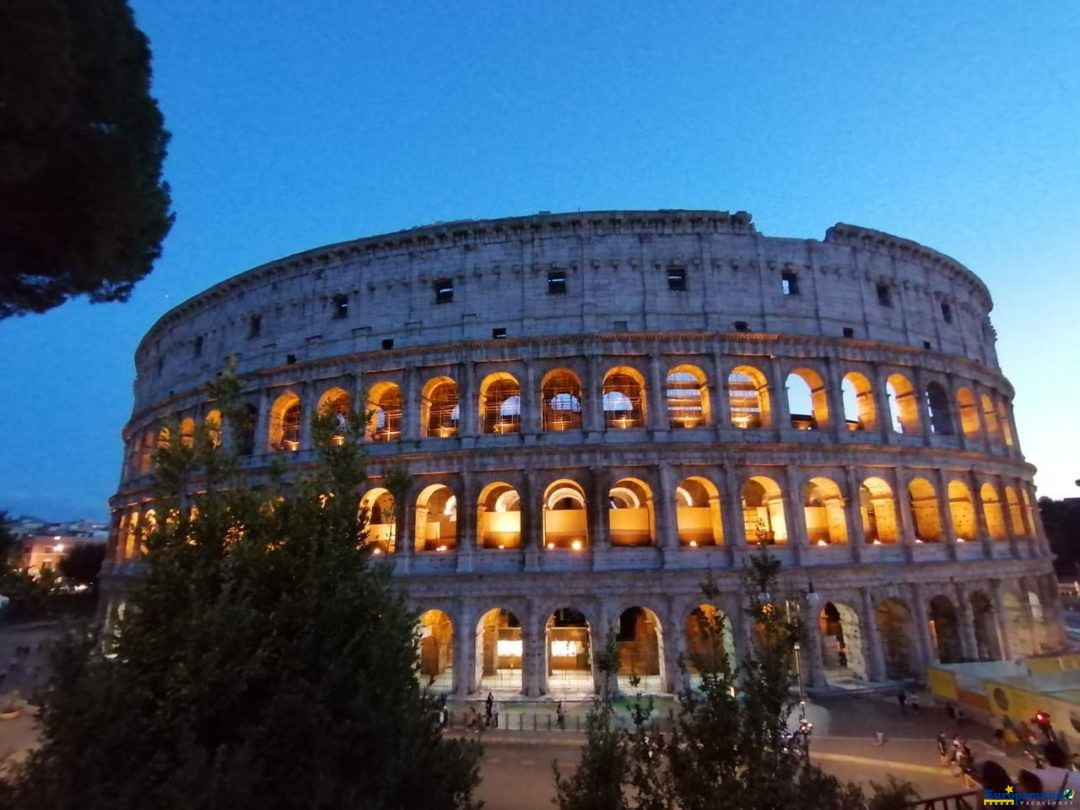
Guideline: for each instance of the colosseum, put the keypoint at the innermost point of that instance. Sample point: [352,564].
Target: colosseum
[599,409]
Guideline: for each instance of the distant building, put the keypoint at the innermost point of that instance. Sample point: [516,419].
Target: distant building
[47,550]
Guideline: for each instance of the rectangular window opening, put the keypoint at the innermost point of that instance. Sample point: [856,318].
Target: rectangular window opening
[254,326]
[198,346]
[388,343]
[621,326]
[849,331]
[444,290]
[884,295]
[556,282]
[340,307]
[742,326]
[676,279]
[926,345]
[290,359]
[789,283]
[498,333]
[946,312]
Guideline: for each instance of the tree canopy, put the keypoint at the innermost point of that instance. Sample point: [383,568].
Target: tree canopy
[83,207]
[263,659]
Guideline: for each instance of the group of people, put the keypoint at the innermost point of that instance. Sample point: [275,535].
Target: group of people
[958,754]
[474,721]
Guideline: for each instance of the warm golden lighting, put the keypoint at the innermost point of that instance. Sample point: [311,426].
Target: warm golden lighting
[693,544]
[877,542]
[576,545]
[823,542]
[551,545]
[441,548]
[377,550]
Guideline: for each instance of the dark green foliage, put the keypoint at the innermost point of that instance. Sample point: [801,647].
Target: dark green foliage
[83,209]
[730,745]
[8,544]
[82,564]
[1061,519]
[263,661]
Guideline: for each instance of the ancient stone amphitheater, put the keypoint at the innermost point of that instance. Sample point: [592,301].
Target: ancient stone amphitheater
[597,409]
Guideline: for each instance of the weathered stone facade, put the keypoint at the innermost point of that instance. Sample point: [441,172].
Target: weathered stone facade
[597,410]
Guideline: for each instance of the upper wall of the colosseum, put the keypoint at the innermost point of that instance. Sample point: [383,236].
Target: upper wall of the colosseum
[581,273]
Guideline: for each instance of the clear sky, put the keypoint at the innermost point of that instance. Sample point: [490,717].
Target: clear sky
[298,124]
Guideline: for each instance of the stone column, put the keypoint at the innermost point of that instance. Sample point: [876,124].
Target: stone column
[781,413]
[732,516]
[794,515]
[815,666]
[533,677]
[875,654]
[1010,531]
[667,521]
[308,406]
[945,511]
[881,403]
[600,537]
[674,641]
[982,530]
[658,412]
[922,626]
[853,513]
[466,522]
[721,405]
[921,405]
[468,400]
[465,651]
[405,531]
[530,402]
[592,394]
[410,403]
[597,642]
[905,519]
[1001,622]
[835,398]
[532,520]
[969,644]
[262,423]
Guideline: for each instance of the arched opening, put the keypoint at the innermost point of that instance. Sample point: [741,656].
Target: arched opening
[687,397]
[498,524]
[697,513]
[285,423]
[860,412]
[163,438]
[565,516]
[624,398]
[763,512]
[436,519]
[640,642]
[560,392]
[937,401]
[993,513]
[988,646]
[899,644]
[436,650]
[499,653]
[710,642]
[969,412]
[808,403]
[1016,515]
[841,643]
[823,509]
[1018,628]
[213,427]
[385,412]
[945,630]
[748,398]
[990,417]
[568,653]
[878,507]
[1006,424]
[146,453]
[903,405]
[630,513]
[337,403]
[380,531]
[962,510]
[500,404]
[187,432]
[245,431]
[922,500]
[1030,522]
[439,411]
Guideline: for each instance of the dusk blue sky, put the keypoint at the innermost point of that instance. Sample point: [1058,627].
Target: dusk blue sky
[298,124]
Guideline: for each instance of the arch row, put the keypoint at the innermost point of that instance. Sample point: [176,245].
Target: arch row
[735,394]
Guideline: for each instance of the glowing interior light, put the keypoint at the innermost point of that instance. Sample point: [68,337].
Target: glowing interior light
[877,542]
[823,542]
[576,545]
[377,550]
[508,648]
[441,548]
[960,540]
[918,540]
[693,544]
[551,545]
[565,649]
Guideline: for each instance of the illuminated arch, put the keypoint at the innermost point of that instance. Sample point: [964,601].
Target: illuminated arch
[498,523]
[500,404]
[945,630]
[624,398]
[384,406]
[631,516]
[499,652]
[697,513]
[439,410]
[1016,514]
[808,401]
[903,405]
[937,402]
[338,403]
[187,432]
[568,653]
[990,417]
[842,646]
[560,394]
[639,641]
[565,515]
[969,412]
[823,509]
[900,646]
[1005,422]
[860,411]
[687,393]
[878,507]
[710,642]
[285,419]
[962,509]
[748,398]
[380,530]
[923,503]
[993,513]
[763,512]
[435,649]
[436,519]
[212,423]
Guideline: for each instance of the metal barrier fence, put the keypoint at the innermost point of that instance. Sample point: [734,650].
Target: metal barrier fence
[968,800]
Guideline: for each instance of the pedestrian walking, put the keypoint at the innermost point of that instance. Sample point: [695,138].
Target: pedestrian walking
[967,767]
[495,714]
[901,698]
[943,748]
[488,704]
[560,716]
[879,738]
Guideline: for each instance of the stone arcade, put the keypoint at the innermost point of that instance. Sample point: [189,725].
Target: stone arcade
[598,408]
